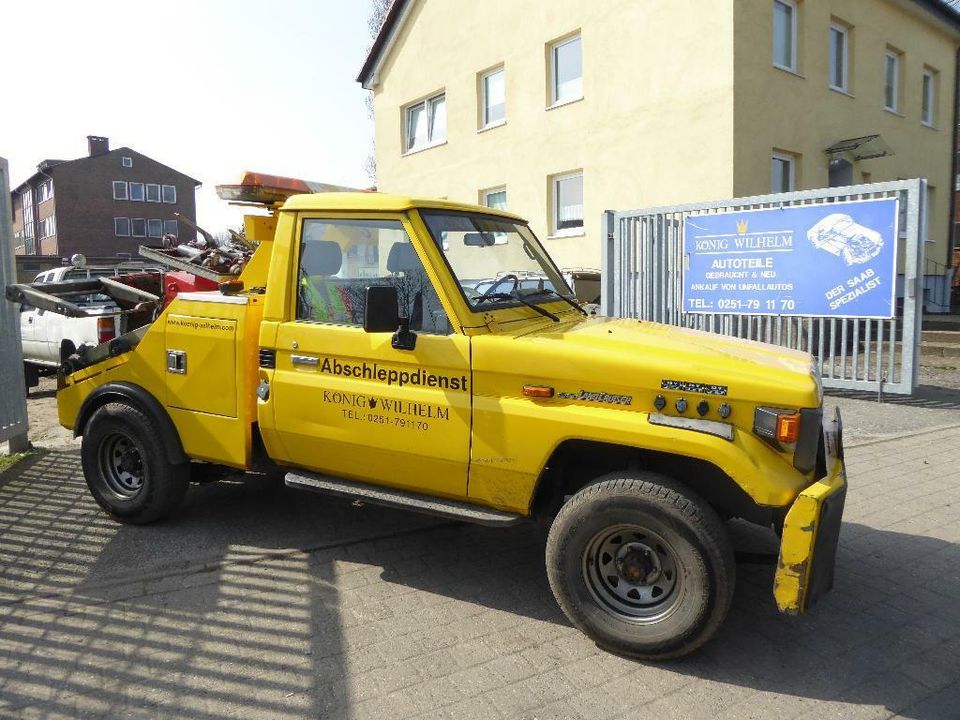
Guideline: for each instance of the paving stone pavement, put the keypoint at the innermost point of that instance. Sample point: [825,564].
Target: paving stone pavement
[256,602]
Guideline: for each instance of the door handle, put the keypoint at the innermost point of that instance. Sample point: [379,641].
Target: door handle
[307,360]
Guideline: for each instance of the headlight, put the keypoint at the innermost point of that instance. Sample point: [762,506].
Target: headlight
[777,424]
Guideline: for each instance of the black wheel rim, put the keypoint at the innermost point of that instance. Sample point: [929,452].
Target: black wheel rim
[121,465]
[633,574]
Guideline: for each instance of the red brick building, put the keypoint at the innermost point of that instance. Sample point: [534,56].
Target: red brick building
[102,205]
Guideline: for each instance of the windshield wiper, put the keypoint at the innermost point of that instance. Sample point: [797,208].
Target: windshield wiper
[508,296]
[568,301]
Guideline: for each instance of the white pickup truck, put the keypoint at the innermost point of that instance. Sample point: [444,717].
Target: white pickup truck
[48,337]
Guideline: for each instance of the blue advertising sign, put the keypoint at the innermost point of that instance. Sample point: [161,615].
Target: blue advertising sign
[833,259]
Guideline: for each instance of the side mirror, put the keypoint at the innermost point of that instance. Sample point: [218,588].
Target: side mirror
[382,311]
[382,314]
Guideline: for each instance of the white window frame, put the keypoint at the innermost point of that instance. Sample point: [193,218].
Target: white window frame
[176,228]
[45,191]
[126,161]
[844,32]
[486,124]
[555,230]
[147,192]
[895,56]
[48,227]
[429,107]
[556,101]
[499,238]
[143,191]
[794,24]
[116,226]
[791,161]
[133,232]
[928,114]
[160,233]
[163,193]
[120,184]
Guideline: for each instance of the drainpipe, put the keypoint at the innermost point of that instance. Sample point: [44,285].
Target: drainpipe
[951,236]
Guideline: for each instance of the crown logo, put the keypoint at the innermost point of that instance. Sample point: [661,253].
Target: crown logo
[742,226]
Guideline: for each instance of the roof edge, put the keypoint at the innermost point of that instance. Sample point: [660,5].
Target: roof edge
[383,44]
[942,11]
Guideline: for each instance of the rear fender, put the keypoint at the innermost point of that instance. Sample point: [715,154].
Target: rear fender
[138,397]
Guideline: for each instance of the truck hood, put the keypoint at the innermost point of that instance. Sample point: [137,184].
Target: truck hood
[643,359]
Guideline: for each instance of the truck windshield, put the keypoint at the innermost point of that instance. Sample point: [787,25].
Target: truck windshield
[495,260]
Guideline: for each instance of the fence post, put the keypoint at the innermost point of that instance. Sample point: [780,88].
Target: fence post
[13,394]
[913,282]
[608,255]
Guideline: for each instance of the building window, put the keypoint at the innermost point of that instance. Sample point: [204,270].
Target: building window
[126,161]
[45,191]
[785,34]
[138,227]
[426,123]
[170,194]
[121,227]
[154,228]
[891,81]
[839,57]
[153,193]
[493,98]
[495,198]
[170,228]
[48,227]
[783,173]
[566,71]
[928,95]
[567,191]
[119,190]
[136,191]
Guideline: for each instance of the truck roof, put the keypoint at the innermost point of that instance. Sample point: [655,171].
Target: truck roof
[382,202]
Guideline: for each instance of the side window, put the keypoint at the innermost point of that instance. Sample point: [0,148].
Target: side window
[340,259]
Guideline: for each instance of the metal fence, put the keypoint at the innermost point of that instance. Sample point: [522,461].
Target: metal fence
[642,278]
[13,403]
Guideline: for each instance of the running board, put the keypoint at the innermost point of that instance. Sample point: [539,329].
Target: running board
[390,497]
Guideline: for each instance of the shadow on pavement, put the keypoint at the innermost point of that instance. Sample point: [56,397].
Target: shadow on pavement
[932,397]
[263,602]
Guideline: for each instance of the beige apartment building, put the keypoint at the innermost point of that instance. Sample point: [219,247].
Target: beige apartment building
[558,110]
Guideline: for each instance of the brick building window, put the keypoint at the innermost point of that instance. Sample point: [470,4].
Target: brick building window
[119,190]
[170,228]
[139,227]
[126,161]
[45,191]
[170,194]
[121,227]
[154,228]
[136,191]
[153,193]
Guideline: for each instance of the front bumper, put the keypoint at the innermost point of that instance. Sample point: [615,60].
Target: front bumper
[808,549]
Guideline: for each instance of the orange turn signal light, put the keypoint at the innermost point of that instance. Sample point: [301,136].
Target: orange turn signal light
[538,391]
[788,428]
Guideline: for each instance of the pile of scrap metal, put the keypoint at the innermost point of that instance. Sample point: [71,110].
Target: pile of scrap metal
[206,256]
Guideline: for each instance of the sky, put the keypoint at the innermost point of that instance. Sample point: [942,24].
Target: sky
[208,87]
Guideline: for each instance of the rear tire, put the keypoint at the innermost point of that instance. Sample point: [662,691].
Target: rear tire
[641,565]
[126,467]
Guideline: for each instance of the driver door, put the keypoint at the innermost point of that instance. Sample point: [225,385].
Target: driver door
[348,404]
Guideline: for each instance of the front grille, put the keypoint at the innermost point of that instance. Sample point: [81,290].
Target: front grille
[268,358]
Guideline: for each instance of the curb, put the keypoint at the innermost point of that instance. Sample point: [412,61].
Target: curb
[904,436]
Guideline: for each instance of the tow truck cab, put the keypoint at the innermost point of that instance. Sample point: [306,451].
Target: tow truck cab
[357,355]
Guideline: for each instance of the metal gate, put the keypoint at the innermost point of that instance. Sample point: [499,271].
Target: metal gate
[13,404]
[642,278]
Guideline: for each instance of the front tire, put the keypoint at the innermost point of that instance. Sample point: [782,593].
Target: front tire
[126,467]
[641,565]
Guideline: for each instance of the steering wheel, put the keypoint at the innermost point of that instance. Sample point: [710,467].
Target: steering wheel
[499,281]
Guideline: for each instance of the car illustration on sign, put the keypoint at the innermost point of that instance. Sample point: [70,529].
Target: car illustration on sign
[839,235]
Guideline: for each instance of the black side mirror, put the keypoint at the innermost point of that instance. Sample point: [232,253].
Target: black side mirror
[382,310]
[382,314]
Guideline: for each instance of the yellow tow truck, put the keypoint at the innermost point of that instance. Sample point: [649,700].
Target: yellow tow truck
[355,355]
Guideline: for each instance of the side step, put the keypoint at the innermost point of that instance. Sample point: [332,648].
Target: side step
[401,499]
